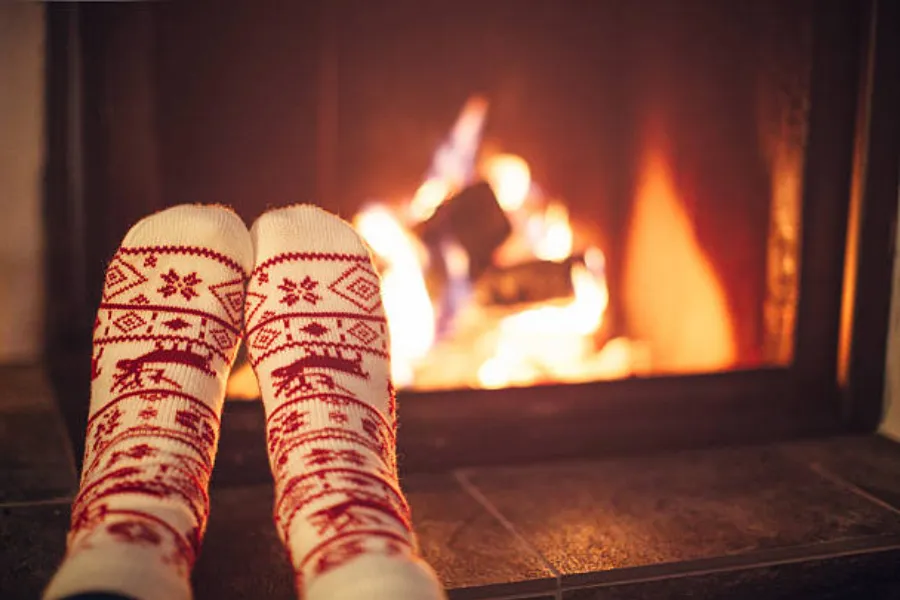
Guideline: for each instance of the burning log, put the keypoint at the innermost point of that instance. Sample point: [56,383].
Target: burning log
[535,281]
[473,219]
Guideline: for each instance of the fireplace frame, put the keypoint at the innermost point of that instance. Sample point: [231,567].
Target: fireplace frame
[101,149]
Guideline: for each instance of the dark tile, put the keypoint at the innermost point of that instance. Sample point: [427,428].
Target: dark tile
[873,576]
[242,556]
[591,517]
[32,543]
[469,549]
[871,463]
[463,594]
[35,456]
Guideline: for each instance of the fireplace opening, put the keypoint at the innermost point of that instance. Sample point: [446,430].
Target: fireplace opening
[601,225]
[615,193]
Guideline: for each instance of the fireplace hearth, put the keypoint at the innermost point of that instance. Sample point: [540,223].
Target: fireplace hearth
[602,227]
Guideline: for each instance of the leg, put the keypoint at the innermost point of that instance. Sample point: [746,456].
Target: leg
[164,341]
[318,341]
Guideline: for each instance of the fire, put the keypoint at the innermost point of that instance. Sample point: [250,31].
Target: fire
[428,197]
[453,161]
[447,332]
[492,345]
[552,233]
[548,342]
[407,305]
[673,298]
[510,177]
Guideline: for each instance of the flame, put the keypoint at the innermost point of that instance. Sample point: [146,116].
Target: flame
[672,296]
[546,341]
[551,342]
[407,306]
[453,163]
[510,178]
[552,233]
[582,316]
[428,197]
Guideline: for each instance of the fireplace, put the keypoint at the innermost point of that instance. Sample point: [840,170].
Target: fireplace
[602,226]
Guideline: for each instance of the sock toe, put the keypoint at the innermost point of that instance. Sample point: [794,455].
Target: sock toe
[377,577]
[213,227]
[304,228]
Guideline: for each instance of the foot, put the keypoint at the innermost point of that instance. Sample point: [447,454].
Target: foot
[164,341]
[317,339]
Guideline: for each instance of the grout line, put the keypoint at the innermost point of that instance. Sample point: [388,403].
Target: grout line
[483,500]
[531,596]
[840,481]
[714,570]
[46,502]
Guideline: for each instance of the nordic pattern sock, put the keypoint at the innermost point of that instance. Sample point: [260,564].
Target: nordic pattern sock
[165,337]
[317,339]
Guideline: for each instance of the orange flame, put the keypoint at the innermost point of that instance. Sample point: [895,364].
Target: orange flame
[510,178]
[407,306]
[672,297]
[550,341]
[555,240]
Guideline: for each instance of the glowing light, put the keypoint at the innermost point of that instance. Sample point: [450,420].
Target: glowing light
[551,341]
[407,306]
[673,298]
[510,178]
[428,197]
[554,240]
[453,163]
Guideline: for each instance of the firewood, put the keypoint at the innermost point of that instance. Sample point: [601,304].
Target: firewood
[535,281]
[474,220]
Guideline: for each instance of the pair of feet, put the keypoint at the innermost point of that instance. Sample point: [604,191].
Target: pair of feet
[175,304]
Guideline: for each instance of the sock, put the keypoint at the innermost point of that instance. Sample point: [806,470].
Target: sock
[164,340]
[318,341]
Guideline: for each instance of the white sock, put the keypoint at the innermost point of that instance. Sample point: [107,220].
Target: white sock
[164,341]
[317,339]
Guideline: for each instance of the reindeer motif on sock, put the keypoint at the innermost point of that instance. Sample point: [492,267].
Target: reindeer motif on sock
[131,372]
[308,373]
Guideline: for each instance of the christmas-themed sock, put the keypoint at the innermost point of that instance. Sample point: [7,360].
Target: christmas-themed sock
[318,341]
[165,337]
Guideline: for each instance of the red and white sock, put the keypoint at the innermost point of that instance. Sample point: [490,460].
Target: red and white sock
[164,341]
[318,341]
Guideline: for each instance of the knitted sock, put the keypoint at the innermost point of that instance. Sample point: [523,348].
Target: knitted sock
[318,341]
[164,340]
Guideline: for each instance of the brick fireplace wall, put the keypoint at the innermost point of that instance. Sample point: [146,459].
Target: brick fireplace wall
[890,424]
[21,171]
